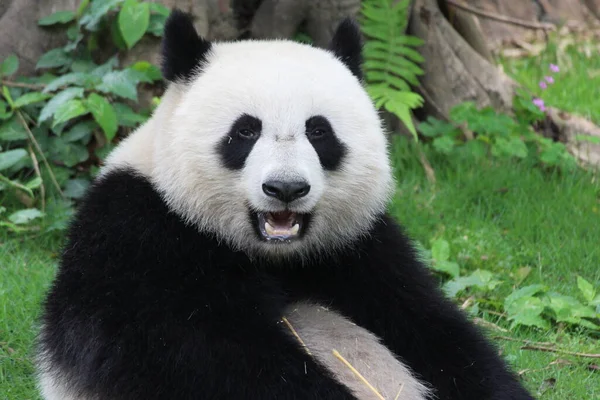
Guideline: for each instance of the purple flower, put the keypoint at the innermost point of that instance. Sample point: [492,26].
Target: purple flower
[543,85]
[549,79]
[539,103]
[554,68]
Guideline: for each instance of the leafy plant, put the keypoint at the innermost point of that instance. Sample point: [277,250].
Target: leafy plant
[485,131]
[532,305]
[391,61]
[55,128]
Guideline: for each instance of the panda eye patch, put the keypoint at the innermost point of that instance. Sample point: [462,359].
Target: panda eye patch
[246,133]
[317,127]
[329,148]
[237,144]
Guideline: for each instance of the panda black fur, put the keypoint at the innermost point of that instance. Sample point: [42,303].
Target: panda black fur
[171,286]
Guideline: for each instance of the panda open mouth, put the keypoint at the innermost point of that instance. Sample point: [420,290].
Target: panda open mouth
[280,226]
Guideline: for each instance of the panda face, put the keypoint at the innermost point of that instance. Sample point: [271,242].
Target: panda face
[272,146]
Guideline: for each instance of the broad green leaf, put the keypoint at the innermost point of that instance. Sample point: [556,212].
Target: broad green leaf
[74,78]
[7,96]
[5,111]
[54,58]
[68,153]
[57,101]
[134,19]
[104,114]
[147,72]
[71,109]
[11,157]
[96,11]
[527,311]
[586,288]
[9,66]
[34,183]
[59,17]
[440,250]
[121,83]
[479,278]
[30,98]
[75,188]
[448,267]
[82,131]
[444,144]
[570,310]
[434,127]
[25,216]
[156,26]
[527,291]
[127,117]
[12,130]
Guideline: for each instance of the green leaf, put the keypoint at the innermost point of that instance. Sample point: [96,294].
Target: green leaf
[586,288]
[527,311]
[479,278]
[68,153]
[449,267]
[134,19]
[96,11]
[59,17]
[74,78]
[75,188]
[34,183]
[69,110]
[11,157]
[104,114]
[25,216]
[5,111]
[513,147]
[570,310]
[526,291]
[434,127]
[57,101]
[156,26]
[440,250]
[147,72]
[54,58]
[12,130]
[127,117]
[82,131]
[121,83]
[30,98]
[7,96]
[444,144]
[9,66]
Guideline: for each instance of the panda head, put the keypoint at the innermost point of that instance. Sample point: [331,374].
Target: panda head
[272,146]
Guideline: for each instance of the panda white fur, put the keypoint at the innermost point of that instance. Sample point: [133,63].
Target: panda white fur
[236,246]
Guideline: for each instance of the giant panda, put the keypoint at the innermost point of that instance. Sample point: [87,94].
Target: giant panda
[237,246]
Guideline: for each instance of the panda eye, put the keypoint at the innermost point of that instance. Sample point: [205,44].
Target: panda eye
[246,133]
[317,133]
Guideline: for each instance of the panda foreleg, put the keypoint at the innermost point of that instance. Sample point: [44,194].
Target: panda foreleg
[384,288]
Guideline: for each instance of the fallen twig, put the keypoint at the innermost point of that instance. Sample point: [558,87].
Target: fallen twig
[39,149]
[34,86]
[554,350]
[36,168]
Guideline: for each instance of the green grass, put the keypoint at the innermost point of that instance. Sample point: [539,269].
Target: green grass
[497,215]
[576,85]
[26,268]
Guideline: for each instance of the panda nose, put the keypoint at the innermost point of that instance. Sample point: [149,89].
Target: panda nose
[286,191]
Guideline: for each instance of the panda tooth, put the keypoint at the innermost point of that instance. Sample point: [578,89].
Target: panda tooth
[295,229]
[269,229]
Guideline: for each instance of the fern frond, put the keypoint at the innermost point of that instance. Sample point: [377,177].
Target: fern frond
[391,62]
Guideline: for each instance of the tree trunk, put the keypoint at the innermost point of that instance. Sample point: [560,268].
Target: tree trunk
[459,36]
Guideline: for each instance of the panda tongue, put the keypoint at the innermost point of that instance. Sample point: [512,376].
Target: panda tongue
[281,220]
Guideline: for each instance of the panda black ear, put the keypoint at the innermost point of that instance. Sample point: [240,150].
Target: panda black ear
[347,45]
[183,50]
